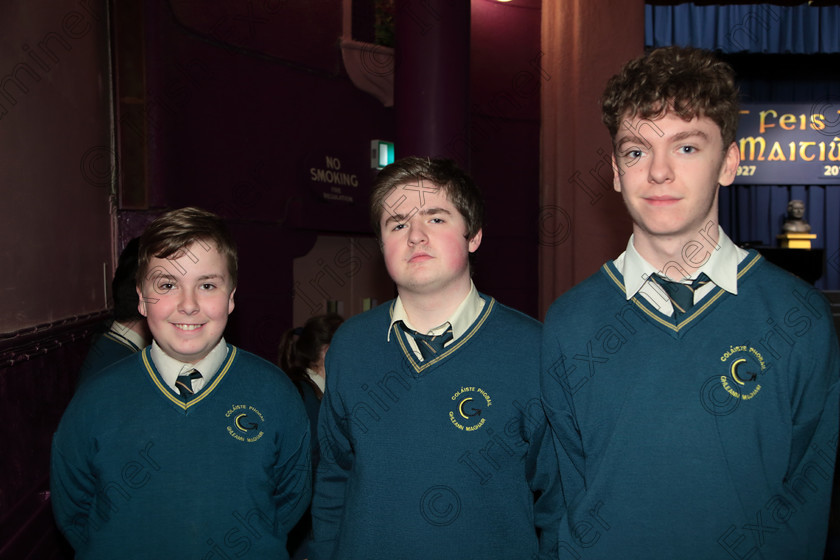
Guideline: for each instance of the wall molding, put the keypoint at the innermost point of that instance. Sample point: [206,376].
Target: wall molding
[22,345]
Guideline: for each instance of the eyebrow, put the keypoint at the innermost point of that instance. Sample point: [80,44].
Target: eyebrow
[162,276]
[679,137]
[173,278]
[400,218]
[211,277]
[630,139]
[690,134]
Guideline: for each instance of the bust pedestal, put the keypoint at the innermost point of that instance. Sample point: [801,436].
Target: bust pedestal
[796,240]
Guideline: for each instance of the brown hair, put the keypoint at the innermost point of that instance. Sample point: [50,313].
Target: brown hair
[300,347]
[123,285]
[444,173]
[170,234]
[690,82]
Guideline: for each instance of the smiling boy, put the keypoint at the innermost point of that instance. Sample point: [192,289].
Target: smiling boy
[431,428]
[192,448]
[696,420]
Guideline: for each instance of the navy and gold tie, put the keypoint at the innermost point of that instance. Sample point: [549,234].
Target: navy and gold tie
[681,295]
[430,346]
[184,384]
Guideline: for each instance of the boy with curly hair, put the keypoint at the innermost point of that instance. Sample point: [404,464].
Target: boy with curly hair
[691,385]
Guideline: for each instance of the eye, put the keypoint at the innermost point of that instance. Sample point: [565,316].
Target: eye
[687,149]
[635,153]
[437,220]
[208,286]
[399,227]
[164,287]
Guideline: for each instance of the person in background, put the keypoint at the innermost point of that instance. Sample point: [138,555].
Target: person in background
[301,356]
[302,351]
[128,332]
[691,385]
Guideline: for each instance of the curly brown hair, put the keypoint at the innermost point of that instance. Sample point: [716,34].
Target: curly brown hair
[690,82]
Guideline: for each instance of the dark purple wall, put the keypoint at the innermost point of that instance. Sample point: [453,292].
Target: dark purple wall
[247,105]
[55,160]
[505,142]
[55,171]
[240,108]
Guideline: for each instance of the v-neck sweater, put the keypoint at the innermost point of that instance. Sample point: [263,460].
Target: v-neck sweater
[444,458]
[675,439]
[138,473]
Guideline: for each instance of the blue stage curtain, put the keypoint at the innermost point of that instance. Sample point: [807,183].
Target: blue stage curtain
[755,213]
[765,33]
[756,28]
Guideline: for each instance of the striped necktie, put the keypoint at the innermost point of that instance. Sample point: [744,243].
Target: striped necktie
[430,346]
[681,295]
[184,384]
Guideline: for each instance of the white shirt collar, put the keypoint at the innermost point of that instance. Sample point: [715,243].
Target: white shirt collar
[317,379]
[464,316]
[127,333]
[170,368]
[721,267]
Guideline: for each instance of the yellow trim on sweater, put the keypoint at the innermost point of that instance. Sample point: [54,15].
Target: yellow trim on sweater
[176,399]
[419,367]
[690,317]
[121,340]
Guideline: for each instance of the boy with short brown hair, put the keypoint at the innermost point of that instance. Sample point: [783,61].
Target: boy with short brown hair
[433,440]
[191,448]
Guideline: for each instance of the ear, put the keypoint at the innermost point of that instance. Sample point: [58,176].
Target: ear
[141,303]
[474,242]
[729,167]
[616,175]
[230,301]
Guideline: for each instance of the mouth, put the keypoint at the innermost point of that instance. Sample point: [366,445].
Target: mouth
[187,326]
[661,200]
[419,257]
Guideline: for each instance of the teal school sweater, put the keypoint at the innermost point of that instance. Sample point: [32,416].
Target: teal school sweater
[438,459]
[714,438]
[137,473]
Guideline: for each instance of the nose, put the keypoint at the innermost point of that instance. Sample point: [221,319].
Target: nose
[660,170]
[417,231]
[188,303]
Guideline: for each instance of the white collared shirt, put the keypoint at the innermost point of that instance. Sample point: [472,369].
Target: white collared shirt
[464,316]
[170,368]
[721,267]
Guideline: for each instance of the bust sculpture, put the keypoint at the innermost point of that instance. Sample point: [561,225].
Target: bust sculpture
[795,222]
